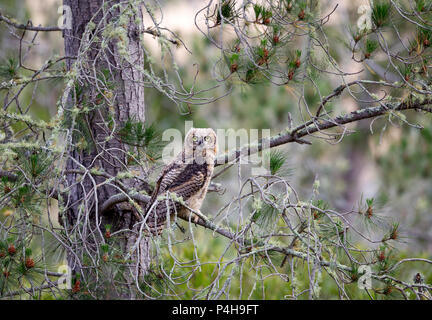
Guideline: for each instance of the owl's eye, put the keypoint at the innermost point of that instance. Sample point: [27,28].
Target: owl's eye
[207,138]
[195,139]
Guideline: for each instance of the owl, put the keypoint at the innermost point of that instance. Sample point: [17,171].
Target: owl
[187,176]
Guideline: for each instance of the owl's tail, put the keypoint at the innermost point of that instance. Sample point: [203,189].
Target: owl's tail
[157,216]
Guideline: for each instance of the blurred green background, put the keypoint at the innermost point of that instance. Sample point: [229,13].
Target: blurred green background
[393,165]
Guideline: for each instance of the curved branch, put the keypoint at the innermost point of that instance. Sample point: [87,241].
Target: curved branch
[208,224]
[296,134]
[237,238]
[122,197]
[30,27]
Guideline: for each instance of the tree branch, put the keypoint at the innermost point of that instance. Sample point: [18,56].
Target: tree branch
[122,197]
[27,26]
[294,135]
[30,27]
[320,124]
[29,290]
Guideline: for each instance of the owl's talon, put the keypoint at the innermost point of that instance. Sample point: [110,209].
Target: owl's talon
[196,219]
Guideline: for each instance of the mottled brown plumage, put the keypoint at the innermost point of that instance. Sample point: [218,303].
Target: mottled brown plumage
[188,176]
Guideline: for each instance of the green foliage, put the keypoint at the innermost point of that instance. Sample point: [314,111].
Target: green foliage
[354,273]
[424,36]
[278,160]
[226,11]
[23,196]
[258,10]
[371,46]
[406,163]
[17,265]
[393,233]
[383,258]
[154,282]
[381,10]
[138,134]
[288,5]
[302,4]
[9,68]
[265,16]
[36,163]
[370,202]
[105,248]
[266,217]
[322,206]
[234,58]
[423,5]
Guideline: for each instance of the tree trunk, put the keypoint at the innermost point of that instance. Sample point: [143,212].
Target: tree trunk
[87,192]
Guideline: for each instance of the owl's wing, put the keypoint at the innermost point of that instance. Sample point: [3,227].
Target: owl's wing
[189,181]
[167,175]
[182,179]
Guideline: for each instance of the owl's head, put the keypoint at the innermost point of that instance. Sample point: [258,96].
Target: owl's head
[201,141]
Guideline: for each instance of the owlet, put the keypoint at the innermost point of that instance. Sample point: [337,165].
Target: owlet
[187,176]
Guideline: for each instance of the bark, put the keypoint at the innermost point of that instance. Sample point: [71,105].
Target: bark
[107,154]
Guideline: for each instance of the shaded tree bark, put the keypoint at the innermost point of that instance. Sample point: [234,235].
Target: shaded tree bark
[108,154]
